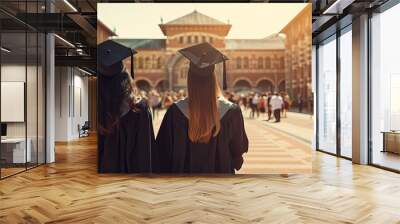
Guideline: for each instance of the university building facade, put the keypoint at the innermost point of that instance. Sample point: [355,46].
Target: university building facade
[257,64]
[298,56]
[279,62]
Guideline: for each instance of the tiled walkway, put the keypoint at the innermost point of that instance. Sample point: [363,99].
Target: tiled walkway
[273,147]
[298,125]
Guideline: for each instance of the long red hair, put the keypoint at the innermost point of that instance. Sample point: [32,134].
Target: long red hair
[203,91]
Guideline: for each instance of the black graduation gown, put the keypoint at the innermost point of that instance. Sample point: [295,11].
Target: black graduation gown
[223,154]
[128,149]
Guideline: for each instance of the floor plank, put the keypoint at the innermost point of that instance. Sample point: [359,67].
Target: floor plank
[71,191]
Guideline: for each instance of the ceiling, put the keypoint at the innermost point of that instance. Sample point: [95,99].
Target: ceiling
[332,15]
[74,22]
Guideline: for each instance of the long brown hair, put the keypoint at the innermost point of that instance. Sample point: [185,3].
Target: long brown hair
[113,91]
[203,91]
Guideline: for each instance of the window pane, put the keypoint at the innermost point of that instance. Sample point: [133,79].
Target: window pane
[327,96]
[385,84]
[346,94]
[14,153]
[31,98]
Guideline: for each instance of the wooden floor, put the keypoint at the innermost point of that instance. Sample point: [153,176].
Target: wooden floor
[71,191]
[10,171]
[387,159]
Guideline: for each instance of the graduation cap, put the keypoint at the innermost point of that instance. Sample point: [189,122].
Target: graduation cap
[110,52]
[203,56]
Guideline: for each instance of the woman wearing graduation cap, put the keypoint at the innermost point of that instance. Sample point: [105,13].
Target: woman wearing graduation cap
[203,133]
[125,136]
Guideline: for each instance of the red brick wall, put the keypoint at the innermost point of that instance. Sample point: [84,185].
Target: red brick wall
[298,54]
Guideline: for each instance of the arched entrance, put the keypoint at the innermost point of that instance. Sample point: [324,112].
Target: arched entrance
[265,85]
[282,86]
[162,86]
[242,85]
[143,85]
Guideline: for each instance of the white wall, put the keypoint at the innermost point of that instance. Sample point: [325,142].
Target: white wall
[71,102]
[61,103]
[80,112]
[12,73]
[33,126]
[15,73]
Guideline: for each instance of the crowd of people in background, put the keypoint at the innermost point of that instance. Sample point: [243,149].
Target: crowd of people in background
[161,100]
[271,105]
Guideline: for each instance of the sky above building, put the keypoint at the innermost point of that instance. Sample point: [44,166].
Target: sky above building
[248,20]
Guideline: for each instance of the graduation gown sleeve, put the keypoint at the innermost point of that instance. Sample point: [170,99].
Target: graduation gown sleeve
[144,142]
[128,149]
[239,143]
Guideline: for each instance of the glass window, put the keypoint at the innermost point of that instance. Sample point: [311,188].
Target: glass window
[268,63]
[385,89]
[260,63]
[346,94]
[140,63]
[22,95]
[282,62]
[246,62]
[238,62]
[147,63]
[327,96]
[153,62]
[14,153]
[159,64]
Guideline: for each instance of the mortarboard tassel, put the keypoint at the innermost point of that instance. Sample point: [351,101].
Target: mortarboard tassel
[224,83]
[132,72]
